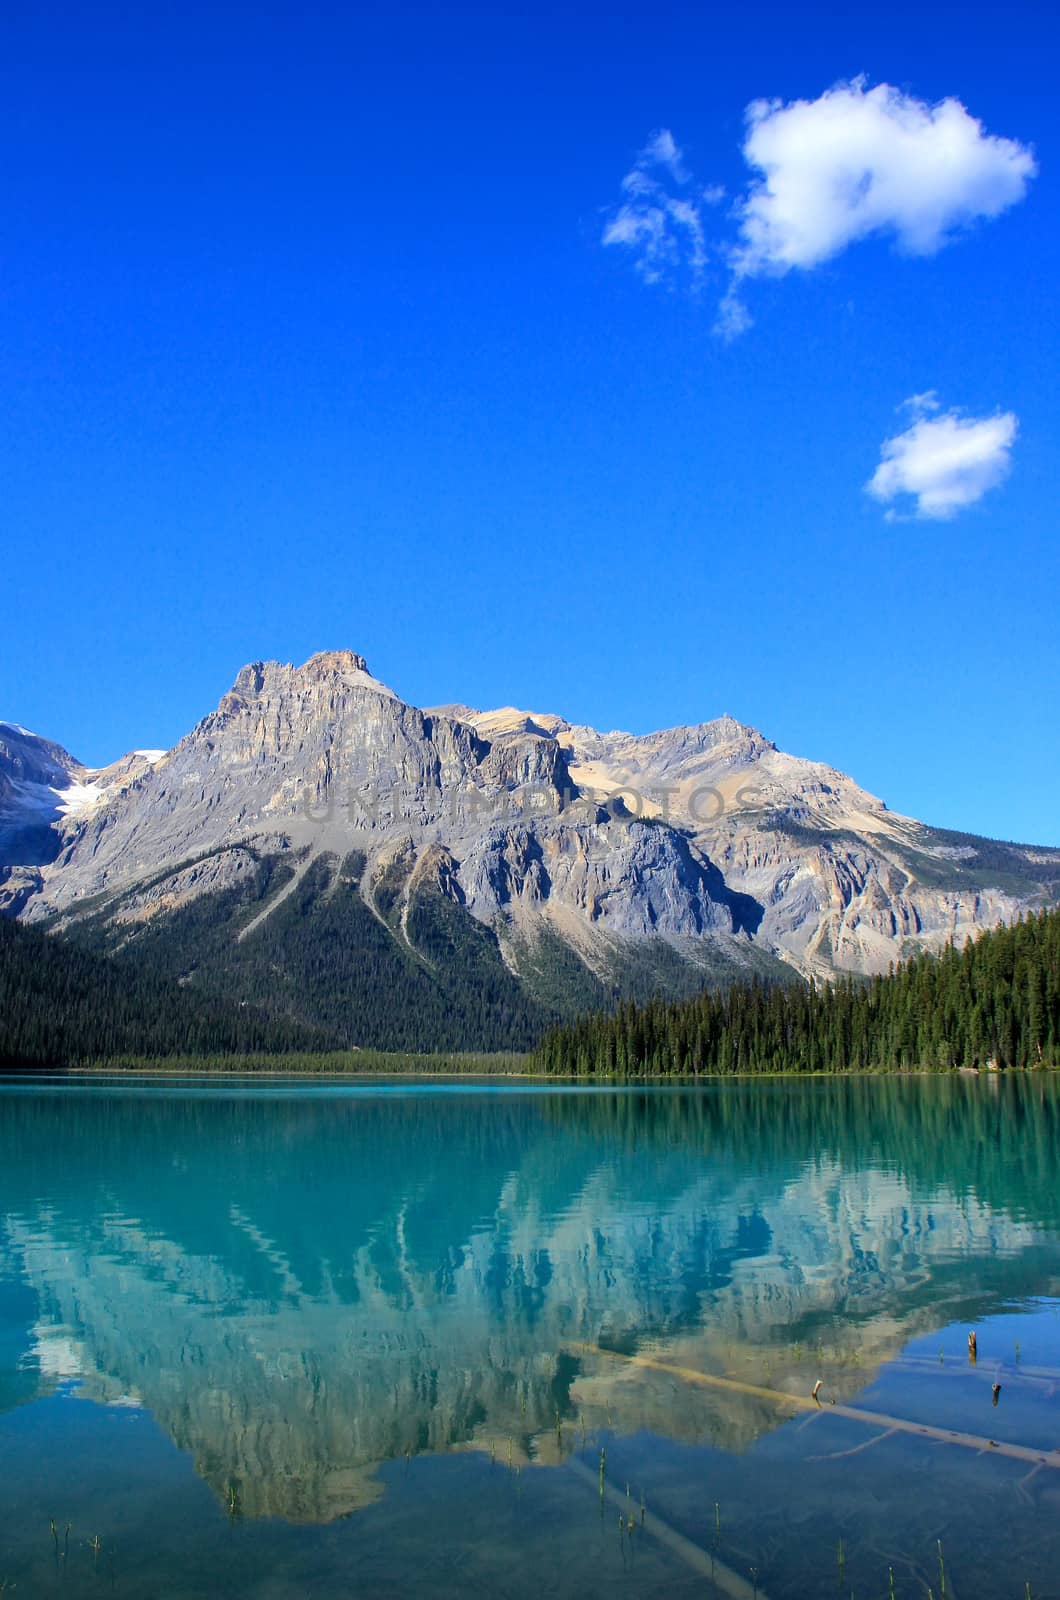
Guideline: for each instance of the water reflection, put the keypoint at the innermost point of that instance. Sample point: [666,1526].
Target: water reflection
[302,1289]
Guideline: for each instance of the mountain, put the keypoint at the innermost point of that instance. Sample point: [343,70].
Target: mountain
[457,878]
[42,788]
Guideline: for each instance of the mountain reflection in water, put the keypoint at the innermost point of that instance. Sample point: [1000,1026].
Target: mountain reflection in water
[300,1287]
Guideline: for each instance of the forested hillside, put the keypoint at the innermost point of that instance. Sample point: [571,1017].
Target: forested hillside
[61,1005]
[423,976]
[996,1002]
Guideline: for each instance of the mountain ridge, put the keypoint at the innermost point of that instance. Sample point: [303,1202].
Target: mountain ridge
[574,865]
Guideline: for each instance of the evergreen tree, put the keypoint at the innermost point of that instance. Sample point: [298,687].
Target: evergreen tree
[996,1003]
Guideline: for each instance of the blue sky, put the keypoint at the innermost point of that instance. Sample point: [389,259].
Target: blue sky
[311,339]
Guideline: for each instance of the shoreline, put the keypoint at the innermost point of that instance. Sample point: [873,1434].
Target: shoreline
[189,1070]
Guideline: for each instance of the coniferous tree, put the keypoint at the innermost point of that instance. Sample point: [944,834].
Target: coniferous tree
[996,1003]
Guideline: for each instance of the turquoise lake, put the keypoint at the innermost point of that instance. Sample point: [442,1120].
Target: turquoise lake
[314,1339]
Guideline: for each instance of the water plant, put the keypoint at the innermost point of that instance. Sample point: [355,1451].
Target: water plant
[60,1554]
[942,1571]
[840,1558]
[890,1583]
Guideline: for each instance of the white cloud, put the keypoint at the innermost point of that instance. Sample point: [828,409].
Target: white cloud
[860,161]
[854,163]
[944,461]
[662,151]
[662,229]
[733,316]
[928,401]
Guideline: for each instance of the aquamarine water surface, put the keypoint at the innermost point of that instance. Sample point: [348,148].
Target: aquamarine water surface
[278,1338]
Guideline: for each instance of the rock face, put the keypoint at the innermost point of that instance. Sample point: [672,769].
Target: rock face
[705,845]
[36,779]
[43,787]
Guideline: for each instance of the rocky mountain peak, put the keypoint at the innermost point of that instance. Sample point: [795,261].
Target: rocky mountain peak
[331,663]
[265,678]
[27,758]
[42,788]
[550,834]
[325,676]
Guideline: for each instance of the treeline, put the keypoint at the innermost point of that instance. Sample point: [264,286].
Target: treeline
[326,963]
[318,993]
[996,1002]
[61,1005]
[325,1063]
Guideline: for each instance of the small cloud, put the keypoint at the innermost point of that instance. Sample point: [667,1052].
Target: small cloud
[733,316]
[662,229]
[662,150]
[856,162]
[859,161]
[944,461]
[918,404]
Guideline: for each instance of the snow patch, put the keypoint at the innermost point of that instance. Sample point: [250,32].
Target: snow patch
[77,798]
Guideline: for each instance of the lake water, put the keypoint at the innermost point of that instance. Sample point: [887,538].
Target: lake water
[287,1339]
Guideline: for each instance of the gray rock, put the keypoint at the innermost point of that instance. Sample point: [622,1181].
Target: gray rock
[534,824]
